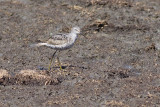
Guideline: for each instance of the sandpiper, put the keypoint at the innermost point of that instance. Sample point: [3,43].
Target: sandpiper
[60,42]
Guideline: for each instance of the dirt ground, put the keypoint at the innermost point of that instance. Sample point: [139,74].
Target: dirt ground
[115,61]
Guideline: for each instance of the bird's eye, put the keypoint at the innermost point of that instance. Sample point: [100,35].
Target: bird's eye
[76,29]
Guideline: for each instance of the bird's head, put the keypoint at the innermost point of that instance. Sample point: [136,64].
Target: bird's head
[76,30]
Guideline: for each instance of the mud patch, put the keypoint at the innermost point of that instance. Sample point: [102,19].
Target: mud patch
[114,62]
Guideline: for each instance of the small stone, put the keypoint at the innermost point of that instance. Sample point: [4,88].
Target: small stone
[4,73]
[157,46]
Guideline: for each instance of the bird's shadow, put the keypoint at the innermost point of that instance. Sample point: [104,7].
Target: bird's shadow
[63,67]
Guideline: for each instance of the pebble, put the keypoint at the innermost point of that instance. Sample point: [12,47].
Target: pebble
[157,46]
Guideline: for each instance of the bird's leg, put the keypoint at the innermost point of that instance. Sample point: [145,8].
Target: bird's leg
[51,60]
[59,61]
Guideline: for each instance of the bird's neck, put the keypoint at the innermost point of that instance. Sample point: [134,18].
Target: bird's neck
[74,36]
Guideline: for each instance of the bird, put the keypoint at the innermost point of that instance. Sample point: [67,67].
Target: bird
[60,42]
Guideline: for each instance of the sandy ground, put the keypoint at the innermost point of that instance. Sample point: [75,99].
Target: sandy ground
[115,61]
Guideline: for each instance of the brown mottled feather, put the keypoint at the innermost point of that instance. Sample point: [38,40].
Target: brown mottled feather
[57,42]
[58,39]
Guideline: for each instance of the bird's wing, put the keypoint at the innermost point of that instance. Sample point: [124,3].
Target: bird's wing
[58,39]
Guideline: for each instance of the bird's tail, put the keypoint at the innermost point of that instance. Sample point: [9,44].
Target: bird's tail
[38,44]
